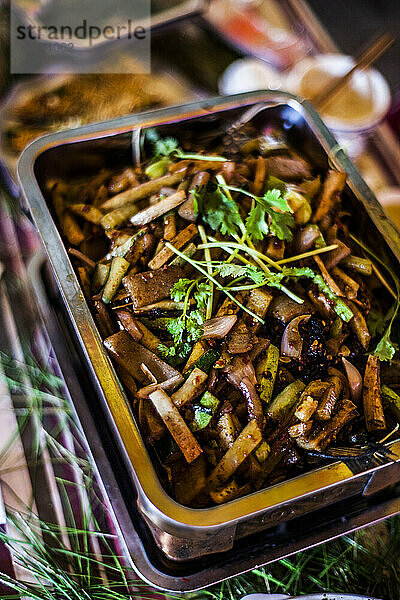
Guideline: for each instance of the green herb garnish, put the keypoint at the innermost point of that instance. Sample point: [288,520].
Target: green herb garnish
[272,206]
[165,146]
[188,327]
[386,348]
[341,309]
[238,271]
[218,210]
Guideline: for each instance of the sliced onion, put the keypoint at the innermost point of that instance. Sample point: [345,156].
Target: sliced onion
[219,327]
[240,368]
[292,343]
[285,309]
[306,237]
[355,380]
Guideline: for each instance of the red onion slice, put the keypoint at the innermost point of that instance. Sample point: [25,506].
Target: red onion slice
[292,343]
[355,380]
[219,327]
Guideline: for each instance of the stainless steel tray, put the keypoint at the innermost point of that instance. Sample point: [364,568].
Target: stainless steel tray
[180,532]
[136,542]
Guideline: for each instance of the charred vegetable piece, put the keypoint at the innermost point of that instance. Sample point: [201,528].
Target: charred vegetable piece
[254,406]
[123,249]
[333,185]
[176,425]
[285,309]
[100,276]
[363,266]
[150,421]
[204,411]
[151,286]
[300,429]
[142,191]
[359,325]
[320,438]
[218,327]
[292,339]
[240,338]
[229,307]
[328,401]
[192,388]
[157,210]
[137,330]
[189,251]
[262,452]
[372,401]
[118,268]
[130,354]
[300,206]
[259,177]
[226,431]
[186,210]
[87,212]
[287,168]
[258,302]
[306,408]
[198,350]
[283,402]
[183,237]
[266,370]
[244,444]
[207,360]
[316,391]
[391,400]
[189,480]
[334,257]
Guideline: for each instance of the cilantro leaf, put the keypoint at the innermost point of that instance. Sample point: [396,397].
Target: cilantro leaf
[280,214]
[194,325]
[165,146]
[176,327]
[179,289]
[385,349]
[218,210]
[273,200]
[255,223]
[201,294]
[281,220]
[188,327]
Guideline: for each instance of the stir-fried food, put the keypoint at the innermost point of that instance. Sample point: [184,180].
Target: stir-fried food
[247,323]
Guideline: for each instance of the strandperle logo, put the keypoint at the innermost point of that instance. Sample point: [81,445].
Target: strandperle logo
[85,36]
[84,31]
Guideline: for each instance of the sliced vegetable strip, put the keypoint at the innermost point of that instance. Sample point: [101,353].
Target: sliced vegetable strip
[244,444]
[176,425]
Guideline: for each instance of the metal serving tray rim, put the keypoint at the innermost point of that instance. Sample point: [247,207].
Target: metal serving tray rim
[163,507]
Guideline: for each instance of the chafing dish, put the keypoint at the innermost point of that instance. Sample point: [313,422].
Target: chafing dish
[183,534]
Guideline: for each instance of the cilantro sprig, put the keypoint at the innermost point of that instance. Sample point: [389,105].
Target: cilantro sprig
[169,146]
[271,214]
[385,348]
[218,210]
[341,309]
[188,327]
